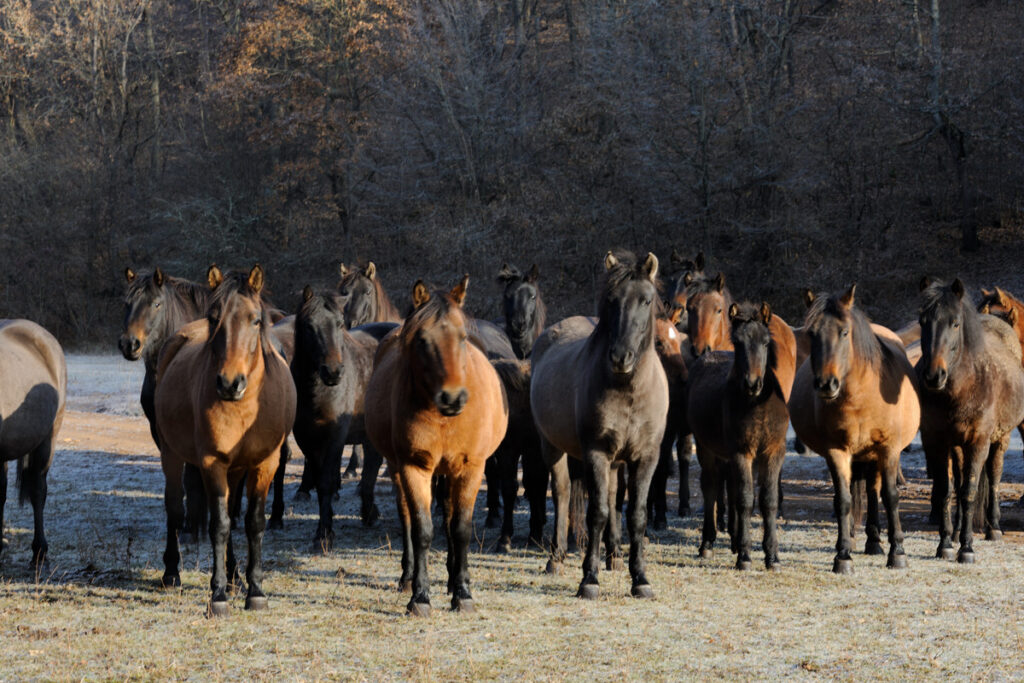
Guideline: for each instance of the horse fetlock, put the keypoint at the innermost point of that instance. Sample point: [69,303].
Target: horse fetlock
[614,563]
[743,561]
[873,547]
[504,544]
[404,585]
[705,552]
[993,535]
[369,514]
[171,580]
[419,606]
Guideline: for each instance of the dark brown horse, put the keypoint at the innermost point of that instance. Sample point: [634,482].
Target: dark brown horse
[331,367]
[225,402]
[854,401]
[35,387]
[363,298]
[737,410]
[972,396]
[523,306]
[435,405]
[599,395]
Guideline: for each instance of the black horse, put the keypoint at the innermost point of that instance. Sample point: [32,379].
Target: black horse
[331,367]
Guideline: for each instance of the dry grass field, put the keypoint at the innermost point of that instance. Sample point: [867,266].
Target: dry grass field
[98,613]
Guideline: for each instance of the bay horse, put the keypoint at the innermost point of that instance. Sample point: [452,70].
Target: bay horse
[972,398]
[687,271]
[672,347]
[225,402]
[855,402]
[331,367]
[32,402]
[435,404]
[599,395]
[737,410]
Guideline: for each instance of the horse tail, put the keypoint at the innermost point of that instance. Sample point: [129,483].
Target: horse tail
[577,504]
[858,492]
[23,481]
[981,501]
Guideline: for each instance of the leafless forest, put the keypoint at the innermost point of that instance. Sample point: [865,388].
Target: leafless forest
[797,142]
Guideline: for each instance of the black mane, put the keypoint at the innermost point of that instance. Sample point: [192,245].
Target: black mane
[938,297]
[865,344]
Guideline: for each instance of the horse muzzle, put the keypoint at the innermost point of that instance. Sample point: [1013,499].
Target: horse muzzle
[232,390]
[753,385]
[130,346]
[827,387]
[330,375]
[622,363]
[935,379]
[451,403]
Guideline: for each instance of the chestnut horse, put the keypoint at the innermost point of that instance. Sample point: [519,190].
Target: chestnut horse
[972,397]
[32,401]
[434,404]
[225,402]
[599,394]
[737,410]
[855,401]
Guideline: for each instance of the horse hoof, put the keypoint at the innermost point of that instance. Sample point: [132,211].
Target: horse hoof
[842,566]
[219,608]
[170,581]
[256,602]
[898,561]
[492,521]
[684,512]
[873,548]
[302,495]
[588,591]
[965,557]
[772,566]
[659,524]
[642,590]
[993,535]
[503,546]
[553,567]
[614,564]
[463,605]
[370,516]
[706,553]
[274,523]
[418,609]
[946,553]
[743,565]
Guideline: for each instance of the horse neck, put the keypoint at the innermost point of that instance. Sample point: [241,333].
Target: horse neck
[385,309]
[178,311]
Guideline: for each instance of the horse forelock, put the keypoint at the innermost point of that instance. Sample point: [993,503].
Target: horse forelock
[750,314]
[626,269]
[862,338]
[438,307]
[237,283]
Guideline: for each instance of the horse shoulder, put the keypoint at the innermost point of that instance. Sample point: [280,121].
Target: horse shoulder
[999,334]
[192,333]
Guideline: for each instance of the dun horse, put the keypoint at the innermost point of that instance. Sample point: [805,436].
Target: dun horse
[599,395]
[35,386]
[225,403]
[434,404]
[363,298]
[972,396]
[737,410]
[855,401]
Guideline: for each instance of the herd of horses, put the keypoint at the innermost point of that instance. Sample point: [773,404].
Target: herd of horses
[594,405]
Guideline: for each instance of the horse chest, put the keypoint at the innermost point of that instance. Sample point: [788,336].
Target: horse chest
[621,424]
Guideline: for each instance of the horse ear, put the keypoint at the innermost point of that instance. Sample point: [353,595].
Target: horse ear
[1001,298]
[924,284]
[256,279]
[307,293]
[847,298]
[214,277]
[985,294]
[676,258]
[458,293]
[610,261]
[342,269]
[158,277]
[651,267]
[371,270]
[699,261]
[808,298]
[129,275]
[420,294]
[675,315]
[534,273]
[1011,317]
[720,281]
[958,288]
[507,273]
[688,279]
[734,310]
[766,313]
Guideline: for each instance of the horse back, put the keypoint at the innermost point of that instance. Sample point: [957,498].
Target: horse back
[1006,382]
[555,378]
[784,340]
[34,391]
[707,379]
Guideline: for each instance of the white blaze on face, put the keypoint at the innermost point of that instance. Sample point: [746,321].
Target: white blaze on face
[672,334]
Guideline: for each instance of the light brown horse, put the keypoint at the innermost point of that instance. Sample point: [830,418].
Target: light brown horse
[855,401]
[32,400]
[225,402]
[1007,307]
[434,404]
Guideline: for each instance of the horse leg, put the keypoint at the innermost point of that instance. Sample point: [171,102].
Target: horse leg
[259,481]
[535,483]
[872,477]
[657,504]
[839,464]
[597,473]
[493,473]
[3,499]
[721,509]
[308,481]
[770,495]
[277,508]
[405,581]
[709,487]
[353,463]
[465,486]
[174,504]
[742,500]
[195,501]
[942,496]
[613,530]
[415,483]
[34,482]
[733,485]
[328,483]
[507,459]
[683,448]
[974,461]
[558,462]
[215,480]
[236,484]
[891,496]
[640,474]
[368,511]
[994,466]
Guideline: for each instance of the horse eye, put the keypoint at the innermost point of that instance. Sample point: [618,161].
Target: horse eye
[158,304]
[532,297]
[718,311]
[647,302]
[658,345]
[257,322]
[956,325]
[845,332]
[343,292]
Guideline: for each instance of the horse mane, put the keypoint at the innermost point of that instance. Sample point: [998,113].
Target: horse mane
[626,268]
[938,295]
[438,306]
[236,282]
[703,284]
[863,340]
